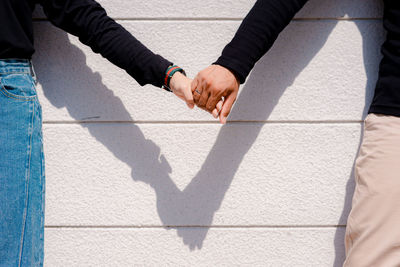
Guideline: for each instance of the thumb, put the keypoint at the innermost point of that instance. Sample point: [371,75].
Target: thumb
[227,106]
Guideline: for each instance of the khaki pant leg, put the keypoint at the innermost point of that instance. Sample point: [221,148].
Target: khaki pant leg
[373,227]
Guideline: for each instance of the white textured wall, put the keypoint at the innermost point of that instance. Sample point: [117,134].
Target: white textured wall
[135,178]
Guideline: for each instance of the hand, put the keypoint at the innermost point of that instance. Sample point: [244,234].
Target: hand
[210,85]
[180,85]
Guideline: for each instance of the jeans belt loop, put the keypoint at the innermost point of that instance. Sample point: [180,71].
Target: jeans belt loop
[32,71]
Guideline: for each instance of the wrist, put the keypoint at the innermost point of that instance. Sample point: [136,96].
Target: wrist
[171,71]
[176,77]
[233,66]
[232,72]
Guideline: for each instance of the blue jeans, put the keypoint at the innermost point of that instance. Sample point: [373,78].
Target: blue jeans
[22,180]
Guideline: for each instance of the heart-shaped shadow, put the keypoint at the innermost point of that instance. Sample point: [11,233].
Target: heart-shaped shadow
[195,205]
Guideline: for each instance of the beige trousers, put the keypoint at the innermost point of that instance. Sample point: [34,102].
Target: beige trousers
[373,227]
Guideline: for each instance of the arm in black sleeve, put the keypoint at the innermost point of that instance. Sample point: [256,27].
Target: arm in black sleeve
[387,94]
[89,21]
[257,33]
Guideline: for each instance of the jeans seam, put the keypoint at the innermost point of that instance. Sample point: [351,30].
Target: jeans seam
[42,179]
[13,72]
[27,186]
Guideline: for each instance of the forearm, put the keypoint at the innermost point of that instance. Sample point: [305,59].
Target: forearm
[257,33]
[387,95]
[390,65]
[89,21]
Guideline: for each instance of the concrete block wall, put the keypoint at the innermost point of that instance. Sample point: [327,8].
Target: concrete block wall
[134,178]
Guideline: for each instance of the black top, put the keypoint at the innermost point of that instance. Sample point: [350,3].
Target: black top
[87,20]
[268,18]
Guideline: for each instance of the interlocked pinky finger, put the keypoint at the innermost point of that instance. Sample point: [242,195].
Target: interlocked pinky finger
[215,113]
[219,106]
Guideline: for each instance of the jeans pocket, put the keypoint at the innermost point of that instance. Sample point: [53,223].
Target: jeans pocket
[19,86]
